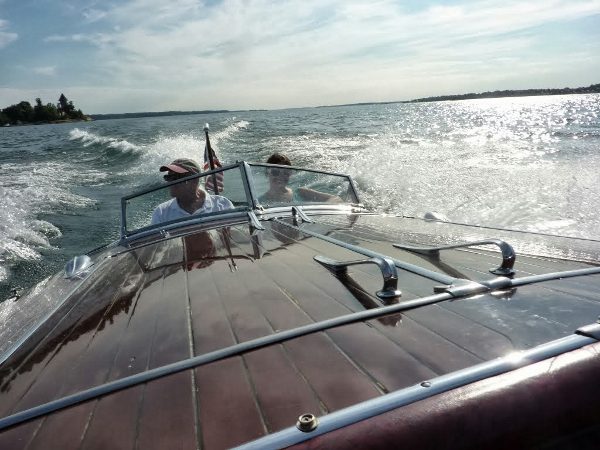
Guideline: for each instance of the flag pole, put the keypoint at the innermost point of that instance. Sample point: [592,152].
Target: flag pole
[208,153]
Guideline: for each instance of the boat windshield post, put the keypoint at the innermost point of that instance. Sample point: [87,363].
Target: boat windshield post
[209,156]
[123,218]
[248,182]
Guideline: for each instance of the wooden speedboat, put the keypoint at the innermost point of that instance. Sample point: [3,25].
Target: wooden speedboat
[305,324]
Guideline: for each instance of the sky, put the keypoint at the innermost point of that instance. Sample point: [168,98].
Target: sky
[114,56]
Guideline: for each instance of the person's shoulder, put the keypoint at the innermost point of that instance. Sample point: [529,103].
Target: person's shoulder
[166,204]
[161,212]
[221,201]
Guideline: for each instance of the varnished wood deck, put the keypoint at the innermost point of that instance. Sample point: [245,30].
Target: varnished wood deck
[187,296]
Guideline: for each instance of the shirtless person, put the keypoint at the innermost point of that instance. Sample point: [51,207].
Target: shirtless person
[279,191]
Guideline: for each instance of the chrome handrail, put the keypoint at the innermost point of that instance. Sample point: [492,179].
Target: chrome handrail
[283,336]
[386,265]
[430,274]
[508,254]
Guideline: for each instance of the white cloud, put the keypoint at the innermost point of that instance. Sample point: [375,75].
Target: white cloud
[495,18]
[93,15]
[45,70]
[187,54]
[97,39]
[6,37]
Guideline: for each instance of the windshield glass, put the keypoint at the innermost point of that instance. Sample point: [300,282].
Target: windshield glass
[185,198]
[276,185]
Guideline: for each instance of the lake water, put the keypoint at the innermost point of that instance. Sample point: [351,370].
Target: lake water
[528,163]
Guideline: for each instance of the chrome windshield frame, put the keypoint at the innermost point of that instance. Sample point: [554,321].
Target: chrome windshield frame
[253,203]
[125,234]
[348,178]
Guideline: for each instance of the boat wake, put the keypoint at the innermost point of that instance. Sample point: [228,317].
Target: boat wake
[88,139]
[167,147]
[21,237]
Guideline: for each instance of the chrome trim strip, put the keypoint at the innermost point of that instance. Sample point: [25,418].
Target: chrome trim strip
[426,389]
[215,220]
[461,286]
[435,276]
[554,276]
[280,211]
[276,338]
[217,355]
[592,331]
[511,230]
[7,354]
[508,253]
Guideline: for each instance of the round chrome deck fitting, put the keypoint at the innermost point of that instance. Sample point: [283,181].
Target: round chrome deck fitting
[307,423]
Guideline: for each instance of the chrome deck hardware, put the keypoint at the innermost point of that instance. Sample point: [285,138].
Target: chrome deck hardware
[592,330]
[386,265]
[77,266]
[297,212]
[430,274]
[307,423]
[508,253]
[254,222]
[480,371]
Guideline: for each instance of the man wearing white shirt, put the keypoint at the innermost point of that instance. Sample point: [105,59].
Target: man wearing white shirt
[188,197]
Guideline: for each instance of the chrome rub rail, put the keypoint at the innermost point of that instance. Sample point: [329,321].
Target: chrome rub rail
[371,408]
[453,291]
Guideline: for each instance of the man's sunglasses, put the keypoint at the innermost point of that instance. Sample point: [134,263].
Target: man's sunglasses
[176,176]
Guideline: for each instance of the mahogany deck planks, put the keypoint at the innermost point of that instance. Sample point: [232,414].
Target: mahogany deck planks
[236,405]
[167,409]
[132,353]
[331,375]
[364,345]
[280,389]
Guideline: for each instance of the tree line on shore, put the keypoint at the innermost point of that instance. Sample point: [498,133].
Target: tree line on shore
[24,113]
[592,89]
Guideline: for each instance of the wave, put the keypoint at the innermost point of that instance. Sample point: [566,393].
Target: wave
[21,236]
[168,147]
[144,158]
[88,139]
[31,189]
[229,131]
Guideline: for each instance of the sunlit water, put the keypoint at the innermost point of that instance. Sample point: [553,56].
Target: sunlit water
[528,163]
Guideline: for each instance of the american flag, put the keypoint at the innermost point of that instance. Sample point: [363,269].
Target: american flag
[208,151]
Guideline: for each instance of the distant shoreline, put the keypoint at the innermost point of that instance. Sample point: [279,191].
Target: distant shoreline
[592,89]
[50,122]
[154,114]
